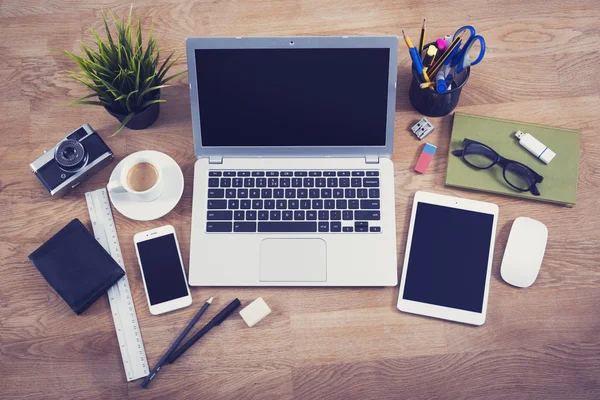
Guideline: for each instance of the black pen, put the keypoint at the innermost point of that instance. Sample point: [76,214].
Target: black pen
[176,343]
[220,317]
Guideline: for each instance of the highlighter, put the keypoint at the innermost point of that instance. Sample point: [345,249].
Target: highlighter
[429,56]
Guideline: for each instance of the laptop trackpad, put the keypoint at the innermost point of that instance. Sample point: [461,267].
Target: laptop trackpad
[293,260]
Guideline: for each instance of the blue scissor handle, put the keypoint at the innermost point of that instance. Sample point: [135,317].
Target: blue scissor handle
[461,63]
[464,28]
[459,59]
[458,52]
[481,41]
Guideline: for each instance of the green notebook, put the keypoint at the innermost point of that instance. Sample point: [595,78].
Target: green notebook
[560,175]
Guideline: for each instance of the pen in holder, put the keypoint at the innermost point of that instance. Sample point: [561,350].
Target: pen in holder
[429,102]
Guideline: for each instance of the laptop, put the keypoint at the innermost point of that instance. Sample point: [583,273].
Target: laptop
[293,183]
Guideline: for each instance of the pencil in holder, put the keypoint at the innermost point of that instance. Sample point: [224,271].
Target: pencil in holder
[431,103]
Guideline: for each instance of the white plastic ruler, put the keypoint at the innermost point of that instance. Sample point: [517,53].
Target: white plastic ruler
[119,295]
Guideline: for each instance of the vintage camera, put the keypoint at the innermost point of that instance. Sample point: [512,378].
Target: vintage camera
[72,161]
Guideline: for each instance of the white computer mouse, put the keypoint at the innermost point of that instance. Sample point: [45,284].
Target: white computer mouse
[524,252]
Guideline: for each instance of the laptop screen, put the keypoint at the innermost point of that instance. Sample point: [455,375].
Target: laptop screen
[293,97]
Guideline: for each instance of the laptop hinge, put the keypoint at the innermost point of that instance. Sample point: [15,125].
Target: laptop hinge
[372,159]
[215,160]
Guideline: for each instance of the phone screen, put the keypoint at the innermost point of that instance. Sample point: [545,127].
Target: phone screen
[162,269]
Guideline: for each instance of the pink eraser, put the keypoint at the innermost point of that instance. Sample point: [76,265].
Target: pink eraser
[423,163]
[440,44]
[425,158]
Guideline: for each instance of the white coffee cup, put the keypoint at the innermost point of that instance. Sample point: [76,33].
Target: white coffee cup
[122,184]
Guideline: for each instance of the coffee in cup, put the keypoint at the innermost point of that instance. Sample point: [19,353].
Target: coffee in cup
[142,176]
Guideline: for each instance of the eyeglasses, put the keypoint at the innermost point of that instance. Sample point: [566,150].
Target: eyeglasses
[518,176]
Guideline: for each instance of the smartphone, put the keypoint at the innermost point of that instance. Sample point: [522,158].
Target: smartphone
[162,270]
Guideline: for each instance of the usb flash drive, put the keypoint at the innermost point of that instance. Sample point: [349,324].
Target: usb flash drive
[535,147]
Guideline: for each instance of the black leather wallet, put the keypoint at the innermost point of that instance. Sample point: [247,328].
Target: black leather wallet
[76,266]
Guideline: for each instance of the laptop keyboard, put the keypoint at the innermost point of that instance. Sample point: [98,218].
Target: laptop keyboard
[293,201]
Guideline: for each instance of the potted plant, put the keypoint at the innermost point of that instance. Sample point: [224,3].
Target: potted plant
[123,75]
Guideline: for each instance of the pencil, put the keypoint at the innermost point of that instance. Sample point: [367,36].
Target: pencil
[426,75]
[422,38]
[407,40]
[220,317]
[434,68]
[176,343]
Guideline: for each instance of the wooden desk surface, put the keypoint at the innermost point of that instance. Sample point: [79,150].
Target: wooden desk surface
[542,66]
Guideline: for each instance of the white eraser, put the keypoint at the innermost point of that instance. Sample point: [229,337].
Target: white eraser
[254,312]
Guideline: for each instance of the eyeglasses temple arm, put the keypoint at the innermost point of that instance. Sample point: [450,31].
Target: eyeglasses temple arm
[457,153]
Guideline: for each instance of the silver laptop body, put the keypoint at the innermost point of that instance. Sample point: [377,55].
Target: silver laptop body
[293,183]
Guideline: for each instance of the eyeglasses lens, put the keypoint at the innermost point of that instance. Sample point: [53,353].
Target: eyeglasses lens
[479,156]
[518,176]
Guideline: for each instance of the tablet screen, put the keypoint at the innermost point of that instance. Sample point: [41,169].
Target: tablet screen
[448,258]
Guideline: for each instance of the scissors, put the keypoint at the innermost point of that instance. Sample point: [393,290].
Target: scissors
[462,59]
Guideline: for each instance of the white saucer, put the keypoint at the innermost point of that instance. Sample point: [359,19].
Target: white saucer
[149,210]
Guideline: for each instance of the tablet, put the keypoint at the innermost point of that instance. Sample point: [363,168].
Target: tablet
[448,258]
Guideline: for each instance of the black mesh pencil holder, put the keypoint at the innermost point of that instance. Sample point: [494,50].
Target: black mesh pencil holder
[431,103]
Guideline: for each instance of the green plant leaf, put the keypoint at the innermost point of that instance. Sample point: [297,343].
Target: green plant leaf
[125,120]
[95,103]
[162,73]
[129,32]
[81,99]
[174,76]
[153,88]
[108,35]
[98,91]
[150,102]
[87,96]
[82,75]
[129,18]
[162,67]
[137,76]
[150,45]
[139,37]
[127,102]
[114,18]
[149,79]
[77,60]
[99,41]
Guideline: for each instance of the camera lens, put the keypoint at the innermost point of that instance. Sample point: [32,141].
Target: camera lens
[70,155]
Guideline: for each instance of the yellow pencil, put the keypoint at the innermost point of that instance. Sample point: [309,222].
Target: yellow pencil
[426,85]
[422,39]
[407,40]
[426,75]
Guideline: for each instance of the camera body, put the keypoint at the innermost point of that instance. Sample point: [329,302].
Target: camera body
[72,161]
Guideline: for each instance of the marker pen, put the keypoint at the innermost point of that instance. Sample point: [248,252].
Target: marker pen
[417,62]
[429,56]
[440,82]
[448,40]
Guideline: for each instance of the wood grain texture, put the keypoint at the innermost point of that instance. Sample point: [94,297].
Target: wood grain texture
[542,66]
